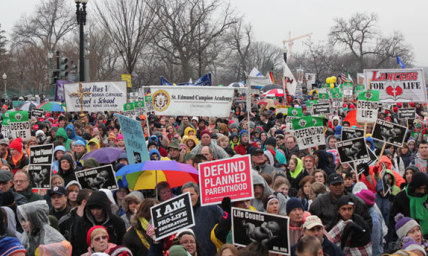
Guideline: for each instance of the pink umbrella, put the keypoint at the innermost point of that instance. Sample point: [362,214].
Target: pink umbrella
[274,93]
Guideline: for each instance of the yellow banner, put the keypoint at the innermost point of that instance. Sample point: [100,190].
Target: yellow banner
[127,78]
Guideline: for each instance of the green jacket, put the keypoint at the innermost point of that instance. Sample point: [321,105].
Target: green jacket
[62,133]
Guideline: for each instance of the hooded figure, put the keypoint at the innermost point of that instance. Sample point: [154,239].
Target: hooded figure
[55,164]
[37,230]
[323,162]
[257,203]
[68,175]
[61,134]
[71,133]
[91,141]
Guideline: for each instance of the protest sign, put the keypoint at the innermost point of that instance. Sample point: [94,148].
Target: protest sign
[347,89]
[192,100]
[5,127]
[367,106]
[293,113]
[59,90]
[280,109]
[352,150]
[264,228]
[369,161]
[323,96]
[309,131]
[173,215]
[40,175]
[128,79]
[398,85]
[133,135]
[41,154]
[227,177]
[19,125]
[351,133]
[37,112]
[96,96]
[406,113]
[97,178]
[321,109]
[389,132]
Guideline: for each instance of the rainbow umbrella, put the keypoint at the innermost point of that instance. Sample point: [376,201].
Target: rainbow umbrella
[51,107]
[148,174]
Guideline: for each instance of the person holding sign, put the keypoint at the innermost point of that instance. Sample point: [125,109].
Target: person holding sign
[18,160]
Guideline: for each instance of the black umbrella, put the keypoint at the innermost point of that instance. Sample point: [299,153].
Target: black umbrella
[270,87]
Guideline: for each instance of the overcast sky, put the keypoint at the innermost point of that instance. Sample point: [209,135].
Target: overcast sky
[272,20]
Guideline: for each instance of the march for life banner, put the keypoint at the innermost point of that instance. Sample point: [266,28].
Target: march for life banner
[228,177]
[398,85]
[192,100]
[97,96]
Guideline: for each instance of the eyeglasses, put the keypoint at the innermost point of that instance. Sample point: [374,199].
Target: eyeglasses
[98,238]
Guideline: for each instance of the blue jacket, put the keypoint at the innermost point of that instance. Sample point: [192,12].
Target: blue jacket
[377,234]
[73,135]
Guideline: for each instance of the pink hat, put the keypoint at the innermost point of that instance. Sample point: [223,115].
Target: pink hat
[120,136]
[367,196]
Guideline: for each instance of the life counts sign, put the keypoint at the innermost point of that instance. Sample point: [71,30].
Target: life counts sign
[228,177]
[173,215]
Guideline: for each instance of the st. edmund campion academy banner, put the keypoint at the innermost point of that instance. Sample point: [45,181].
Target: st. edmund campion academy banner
[398,85]
[97,96]
[192,100]
[309,131]
[367,106]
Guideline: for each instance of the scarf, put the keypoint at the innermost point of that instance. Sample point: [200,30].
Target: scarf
[418,210]
[144,223]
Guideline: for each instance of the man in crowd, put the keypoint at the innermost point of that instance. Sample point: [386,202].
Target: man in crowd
[259,162]
[6,184]
[58,197]
[22,185]
[421,159]
[218,152]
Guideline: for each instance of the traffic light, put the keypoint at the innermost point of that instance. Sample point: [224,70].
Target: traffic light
[63,68]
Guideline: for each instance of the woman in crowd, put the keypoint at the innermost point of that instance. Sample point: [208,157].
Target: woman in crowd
[67,169]
[58,153]
[73,188]
[408,227]
[295,174]
[98,241]
[271,203]
[227,250]
[305,190]
[131,202]
[187,239]
[282,185]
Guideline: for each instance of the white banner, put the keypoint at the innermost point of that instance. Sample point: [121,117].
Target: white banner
[398,85]
[367,111]
[192,100]
[97,96]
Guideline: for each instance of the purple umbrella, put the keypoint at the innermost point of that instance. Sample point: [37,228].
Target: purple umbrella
[105,155]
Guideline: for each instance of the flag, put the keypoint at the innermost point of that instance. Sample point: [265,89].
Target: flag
[163,81]
[369,95]
[342,78]
[311,102]
[128,106]
[139,104]
[349,78]
[290,81]
[323,96]
[204,80]
[399,62]
[294,112]
[255,72]
[270,75]
[307,122]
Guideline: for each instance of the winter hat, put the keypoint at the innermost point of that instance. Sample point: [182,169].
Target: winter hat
[94,231]
[79,142]
[90,163]
[234,125]
[206,131]
[178,250]
[10,246]
[404,225]
[269,198]
[120,136]
[413,168]
[111,136]
[292,204]
[345,200]
[16,144]
[271,141]
[5,176]
[119,250]
[409,244]
[242,132]
[367,196]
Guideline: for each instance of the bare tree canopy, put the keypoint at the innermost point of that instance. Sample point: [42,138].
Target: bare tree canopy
[128,24]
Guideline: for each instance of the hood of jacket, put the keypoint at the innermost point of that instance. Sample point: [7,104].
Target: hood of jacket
[70,127]
[98,199]
[59,148]
[93,140]
[70,161]
[35,212]
[385,160]
[188,129]
[61,133]
[418,179]
[370,139]
[154,151]
[259,180]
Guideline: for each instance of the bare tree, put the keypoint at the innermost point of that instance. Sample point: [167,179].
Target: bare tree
[128,24]
[265,56]
[185,29]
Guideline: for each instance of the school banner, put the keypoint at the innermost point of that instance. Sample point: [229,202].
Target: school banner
[133,135]
[406,113]
[398,85]
[390,133]
[352,150]
[309,131]
[264,228]
[173,215]
[19,125]
[41,154]
[367,106]
[227,177]
[97,178]
[97,96]
[192,100]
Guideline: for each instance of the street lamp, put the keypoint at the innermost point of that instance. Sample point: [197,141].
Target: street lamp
[81,20]
[4,80]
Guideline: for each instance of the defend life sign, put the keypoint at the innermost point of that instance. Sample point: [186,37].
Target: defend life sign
[227,177]
[19,126]
[309,131]
[192,100]
[398,85]
[367,106]
[96,96]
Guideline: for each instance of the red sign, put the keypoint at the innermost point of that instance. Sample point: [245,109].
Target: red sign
[227,177]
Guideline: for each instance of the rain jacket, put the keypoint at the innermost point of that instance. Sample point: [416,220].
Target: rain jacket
[73,135]
[69,174]
[40,231]
[62,133]
[114,224]
[189,129]
[94,140]
[374,173]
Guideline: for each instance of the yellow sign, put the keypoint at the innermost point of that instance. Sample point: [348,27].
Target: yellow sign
[281,109]
[127,78]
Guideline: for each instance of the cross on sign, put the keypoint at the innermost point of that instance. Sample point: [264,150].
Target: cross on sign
[80,95]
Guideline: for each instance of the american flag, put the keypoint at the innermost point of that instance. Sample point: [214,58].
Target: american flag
[343,78]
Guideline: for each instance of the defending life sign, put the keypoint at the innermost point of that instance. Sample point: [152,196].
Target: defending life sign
[309,131]
[227,177]
[97,96]
[192,100]
[398,85]
[367,106]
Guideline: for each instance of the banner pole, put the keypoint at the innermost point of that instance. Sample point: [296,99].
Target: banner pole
[381,152]
[355,170]
[248,101]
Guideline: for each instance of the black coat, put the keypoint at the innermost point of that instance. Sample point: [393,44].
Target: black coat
[294,183]
[132,241]
[114,225]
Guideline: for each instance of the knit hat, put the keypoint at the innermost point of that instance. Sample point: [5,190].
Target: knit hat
[234,125]
[111,136]
[178,250]
[16,144]
[119,250]
[367,196]
[79,142]
[269,198]
[404,225]
[292,204]
[271,141]
[206,131]
[414,168]
[4,142]
[409,244]
[120,136]
[10,246]
[5,176]
[345,200]
[242,132]
[91,233]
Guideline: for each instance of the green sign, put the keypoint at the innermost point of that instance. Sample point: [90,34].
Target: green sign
[139,104]
[369,95]
[307,122]
[128,106]
[294,112]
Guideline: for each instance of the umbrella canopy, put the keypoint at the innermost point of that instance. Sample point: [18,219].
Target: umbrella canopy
[105,155]
[28,105]
[51,106]
[271,87]
[236,85]
[274,93]
[269,103]
[146,175]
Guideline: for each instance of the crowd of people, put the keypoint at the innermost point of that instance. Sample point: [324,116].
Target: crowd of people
[332,209]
